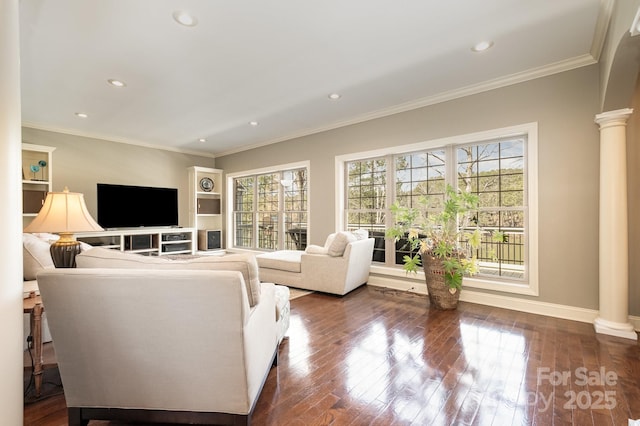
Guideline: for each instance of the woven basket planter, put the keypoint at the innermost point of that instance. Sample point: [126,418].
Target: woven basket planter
[439,294]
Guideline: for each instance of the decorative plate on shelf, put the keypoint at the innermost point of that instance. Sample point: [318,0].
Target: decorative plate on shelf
[206,184]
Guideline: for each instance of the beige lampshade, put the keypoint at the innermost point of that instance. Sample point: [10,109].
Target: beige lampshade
[63,212]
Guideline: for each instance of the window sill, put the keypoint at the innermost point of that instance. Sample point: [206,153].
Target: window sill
[483,283]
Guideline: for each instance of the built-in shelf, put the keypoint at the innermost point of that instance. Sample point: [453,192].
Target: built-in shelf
[205,206]
[146,241]
[35,184]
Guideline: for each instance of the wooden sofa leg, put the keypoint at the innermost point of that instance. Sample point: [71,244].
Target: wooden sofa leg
[75,417]
[240,420]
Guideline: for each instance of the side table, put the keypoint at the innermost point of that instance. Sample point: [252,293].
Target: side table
[33,306]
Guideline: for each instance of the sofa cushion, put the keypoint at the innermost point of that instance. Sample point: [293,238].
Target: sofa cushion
[284,260]
[35,256]
[244,263]
[339,243]
[99,257]
[312,249]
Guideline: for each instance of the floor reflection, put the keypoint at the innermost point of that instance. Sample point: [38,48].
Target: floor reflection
[387,359]
[475,369]
[299,351]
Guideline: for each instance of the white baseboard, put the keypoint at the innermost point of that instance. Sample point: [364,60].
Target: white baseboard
[500,301]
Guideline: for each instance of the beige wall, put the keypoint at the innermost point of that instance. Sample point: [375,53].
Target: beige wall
[618,60]
[80,163]
[564,105]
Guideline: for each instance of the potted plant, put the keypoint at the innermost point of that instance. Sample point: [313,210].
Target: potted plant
[438,240]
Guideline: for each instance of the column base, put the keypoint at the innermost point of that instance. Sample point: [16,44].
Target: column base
[617,329]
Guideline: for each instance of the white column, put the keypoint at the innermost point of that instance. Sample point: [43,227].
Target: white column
[11,404]
[613,318]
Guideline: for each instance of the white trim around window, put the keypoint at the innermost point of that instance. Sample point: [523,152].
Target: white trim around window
[271,169]
[530,287]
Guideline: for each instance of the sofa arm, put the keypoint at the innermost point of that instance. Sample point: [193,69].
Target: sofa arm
[260,339]
[324,273]
[323,265]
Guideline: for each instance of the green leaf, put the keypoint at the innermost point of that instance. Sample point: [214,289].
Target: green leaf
[411,264]
[500,237]
[442,249]
[453,280]
[474,238]
[450,265]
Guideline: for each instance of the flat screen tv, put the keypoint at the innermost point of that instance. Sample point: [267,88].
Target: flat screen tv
[127,206]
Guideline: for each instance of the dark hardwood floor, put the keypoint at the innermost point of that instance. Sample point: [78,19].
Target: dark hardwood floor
[381,357]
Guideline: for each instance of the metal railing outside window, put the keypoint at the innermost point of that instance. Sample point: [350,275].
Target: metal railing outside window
[494,170]
[271,210]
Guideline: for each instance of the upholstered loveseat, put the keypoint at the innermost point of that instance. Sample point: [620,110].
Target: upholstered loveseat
[36,258]
[98,257]
[169,345]
[338,267]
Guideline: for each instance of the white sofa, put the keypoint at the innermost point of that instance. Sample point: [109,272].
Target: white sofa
[160,345]
[338,267]
[37,258]
[98,257]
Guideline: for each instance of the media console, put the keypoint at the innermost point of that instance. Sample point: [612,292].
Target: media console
[146,241]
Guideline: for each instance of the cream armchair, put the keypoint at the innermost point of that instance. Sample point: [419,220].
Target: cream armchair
[181,346]
[339,267]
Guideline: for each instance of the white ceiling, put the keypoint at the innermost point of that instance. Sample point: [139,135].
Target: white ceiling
[277,61]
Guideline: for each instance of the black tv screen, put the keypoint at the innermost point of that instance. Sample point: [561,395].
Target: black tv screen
[127,206]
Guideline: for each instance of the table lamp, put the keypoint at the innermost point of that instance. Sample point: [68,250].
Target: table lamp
[64,213]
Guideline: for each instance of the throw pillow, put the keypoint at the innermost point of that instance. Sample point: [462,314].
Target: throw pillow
[339,243]
[244,263]
[312,249]
[329,240]
[35,256]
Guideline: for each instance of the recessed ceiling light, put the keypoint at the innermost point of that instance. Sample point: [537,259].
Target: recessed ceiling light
[482,46]
[116,83]
[185,18]
[253,123]
[202,140]
[334,96]
[81,115]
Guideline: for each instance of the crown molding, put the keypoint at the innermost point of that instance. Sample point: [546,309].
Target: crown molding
[602,26]
[531,74]
[125,141]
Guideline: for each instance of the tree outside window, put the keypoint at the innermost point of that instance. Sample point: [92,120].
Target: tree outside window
[494,170]
[271,210]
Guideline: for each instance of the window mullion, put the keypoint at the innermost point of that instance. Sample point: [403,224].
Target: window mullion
[281,214]
[390,247]
[254,243]
[451,162]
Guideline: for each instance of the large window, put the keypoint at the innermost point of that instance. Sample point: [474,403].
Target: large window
[497,168]
[270,210]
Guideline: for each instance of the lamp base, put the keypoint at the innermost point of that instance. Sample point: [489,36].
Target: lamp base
[64,253]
